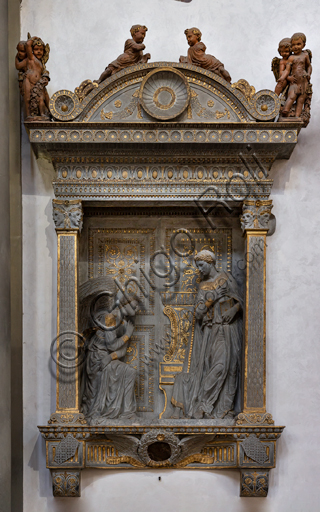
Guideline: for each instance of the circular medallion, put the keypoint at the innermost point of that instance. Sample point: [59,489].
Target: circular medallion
[163,136]
[226,136]
[87,136]
[213,136]
[175,136]
[251,136]
[164,93]
[277,136]
[266,104]
[49,135]
[290,137]
[99,135]
[137,136]
[238,137]
[64,106]
[36,135]
[62,135]
[264,136]
[75,136]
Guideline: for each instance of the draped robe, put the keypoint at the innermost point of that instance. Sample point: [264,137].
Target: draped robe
[109,391]
[133,54]
[210,377]
[198,57]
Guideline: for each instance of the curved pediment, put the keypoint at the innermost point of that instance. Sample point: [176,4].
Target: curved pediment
[166,91]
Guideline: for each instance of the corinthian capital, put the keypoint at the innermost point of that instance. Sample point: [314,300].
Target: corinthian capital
[67,215]
[256,214]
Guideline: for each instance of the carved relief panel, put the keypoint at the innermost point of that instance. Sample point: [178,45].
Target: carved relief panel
[152,257]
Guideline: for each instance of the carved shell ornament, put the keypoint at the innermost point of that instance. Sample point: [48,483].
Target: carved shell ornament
[266,105]
[64,105]
[164,93]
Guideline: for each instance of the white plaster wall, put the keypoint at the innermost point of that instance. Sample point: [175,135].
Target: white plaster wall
[84,37]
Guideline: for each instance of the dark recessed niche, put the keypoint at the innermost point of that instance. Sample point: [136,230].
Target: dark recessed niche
[159,451]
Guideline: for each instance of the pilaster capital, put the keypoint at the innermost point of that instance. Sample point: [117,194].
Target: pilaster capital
[67,215]
[256,214]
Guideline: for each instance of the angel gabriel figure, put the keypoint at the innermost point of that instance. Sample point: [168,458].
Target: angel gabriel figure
[292,74]
[108,383]
[31,62]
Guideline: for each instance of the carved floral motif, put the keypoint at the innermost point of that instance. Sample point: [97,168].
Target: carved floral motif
[66,483]
[254,483]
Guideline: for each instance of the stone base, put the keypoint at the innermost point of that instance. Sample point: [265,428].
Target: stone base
[67,418]
[289,119]
[250,448]
[36,119]
[246,418]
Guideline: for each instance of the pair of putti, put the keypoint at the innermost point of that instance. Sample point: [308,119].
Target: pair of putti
[133,54]
[293,72]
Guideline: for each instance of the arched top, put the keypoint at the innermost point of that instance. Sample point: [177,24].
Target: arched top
[166,91]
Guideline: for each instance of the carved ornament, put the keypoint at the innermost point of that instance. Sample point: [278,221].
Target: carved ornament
[256,214]
[165,94]
[67,215]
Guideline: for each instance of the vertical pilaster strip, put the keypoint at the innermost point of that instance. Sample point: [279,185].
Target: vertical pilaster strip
[255,323]
[16,261]
[254,223]
[68,221]
[5,335]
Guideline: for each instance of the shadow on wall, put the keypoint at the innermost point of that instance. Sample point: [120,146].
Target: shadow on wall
[185,1]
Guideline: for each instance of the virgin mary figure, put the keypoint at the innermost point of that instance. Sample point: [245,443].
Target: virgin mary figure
[208,385]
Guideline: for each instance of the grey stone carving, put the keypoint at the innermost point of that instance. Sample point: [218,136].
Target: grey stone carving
[263,105]
[66,449]
[165,94]
[256,214]
[67,418]
[67,214]
[66,483]
[122,151]
[108,383]
[254,483]
[254,449]
[255,419]
[208,385]
[160,448]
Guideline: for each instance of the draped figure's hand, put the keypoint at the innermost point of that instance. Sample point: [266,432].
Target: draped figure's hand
[129,329]
[228,316]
